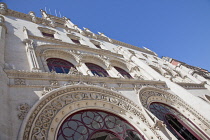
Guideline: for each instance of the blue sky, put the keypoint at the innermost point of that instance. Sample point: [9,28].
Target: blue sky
[176,28]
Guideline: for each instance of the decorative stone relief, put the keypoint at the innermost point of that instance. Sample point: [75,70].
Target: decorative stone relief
[158,124]
[46,90]
[19,81]
[23,109]
[54,83]
[74,71]
[33,17]
[140,77]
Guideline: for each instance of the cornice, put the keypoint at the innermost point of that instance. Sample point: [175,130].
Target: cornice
[192,85]
[31,75]
[66,45]
[124,44]
[46,23]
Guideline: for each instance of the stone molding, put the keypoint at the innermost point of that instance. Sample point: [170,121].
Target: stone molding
[148,95]
[192,85]
[46,30]
[42,122]
[62,54]
[72,36]
[61,45]
[37,75]
[95,59]
[95,42]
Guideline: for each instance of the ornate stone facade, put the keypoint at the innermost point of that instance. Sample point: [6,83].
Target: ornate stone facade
[55,73]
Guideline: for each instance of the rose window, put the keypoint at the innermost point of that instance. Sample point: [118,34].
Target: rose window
[96,125]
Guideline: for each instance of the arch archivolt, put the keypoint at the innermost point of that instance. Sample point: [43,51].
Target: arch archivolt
[46,116]
[120,64]
[95,59]
[149,95]
[62,54]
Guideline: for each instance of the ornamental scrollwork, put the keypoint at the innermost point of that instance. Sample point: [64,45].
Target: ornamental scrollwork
[19,81]
[23,109]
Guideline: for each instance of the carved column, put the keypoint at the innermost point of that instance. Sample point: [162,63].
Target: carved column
[2,40]
[84,69]
[113,72]
[31,55]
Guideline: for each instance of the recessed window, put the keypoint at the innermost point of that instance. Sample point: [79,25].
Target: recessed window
[173,121]
[97,70]
[48,35]
[59,65]
[145,55]
[124,73]
[75,41]
[98,46]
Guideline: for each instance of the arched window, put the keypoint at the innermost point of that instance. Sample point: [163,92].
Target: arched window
[96,125]
[172,119]
[123,72]
[59,65]
[97,70]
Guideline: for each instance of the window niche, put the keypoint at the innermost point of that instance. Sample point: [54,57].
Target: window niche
[47,32]
[74,38]
[96,43]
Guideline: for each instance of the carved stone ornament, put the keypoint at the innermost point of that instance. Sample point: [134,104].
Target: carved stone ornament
[33,17]
[54,83]
[158,124]
[19,81]
[41,123]
[3,8]
[46,90]
[74,71]
[23,109]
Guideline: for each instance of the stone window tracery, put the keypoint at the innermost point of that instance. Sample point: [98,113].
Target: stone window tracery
[97,70]
[59,65]
[173,121]
[124,73]
[97,125]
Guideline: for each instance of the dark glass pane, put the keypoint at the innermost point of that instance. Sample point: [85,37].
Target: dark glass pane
[59,70]
[98,46]
[97,70]
[59,65]
[75,41]
[48,35]
[123,72]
